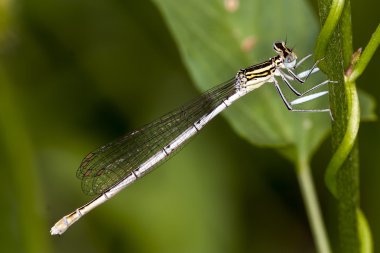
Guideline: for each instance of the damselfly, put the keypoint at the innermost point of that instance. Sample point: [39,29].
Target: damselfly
[109,169]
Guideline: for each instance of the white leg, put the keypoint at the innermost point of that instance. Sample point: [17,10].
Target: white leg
[311,97]
[302,60]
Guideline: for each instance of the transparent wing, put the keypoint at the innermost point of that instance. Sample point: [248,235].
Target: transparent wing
[111,163]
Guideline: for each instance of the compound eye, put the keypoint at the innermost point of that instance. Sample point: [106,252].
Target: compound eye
[290,61]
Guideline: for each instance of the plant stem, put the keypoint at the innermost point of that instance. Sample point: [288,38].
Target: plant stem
[335,11]
[342,174]
[368,52]
[348,141]
[364,233]
[312,207]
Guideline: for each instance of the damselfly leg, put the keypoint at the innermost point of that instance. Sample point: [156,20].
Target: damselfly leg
[287,78]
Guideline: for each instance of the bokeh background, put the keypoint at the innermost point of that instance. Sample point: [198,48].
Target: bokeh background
[75,74]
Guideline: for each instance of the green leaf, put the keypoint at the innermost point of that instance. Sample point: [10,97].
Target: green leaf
[216,40]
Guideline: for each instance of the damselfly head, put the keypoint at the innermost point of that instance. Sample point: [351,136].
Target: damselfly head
[288,56]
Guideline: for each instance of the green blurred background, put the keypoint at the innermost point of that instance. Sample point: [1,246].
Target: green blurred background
[77,74]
